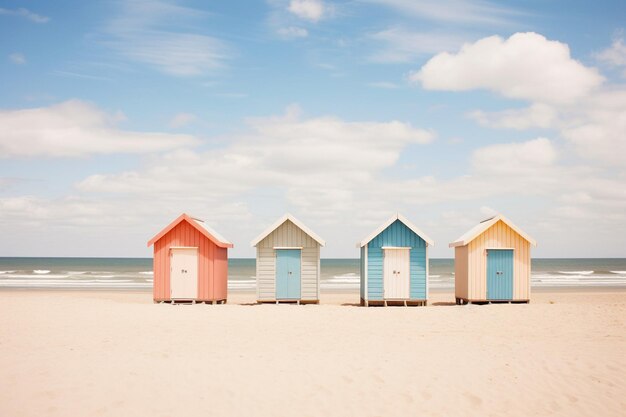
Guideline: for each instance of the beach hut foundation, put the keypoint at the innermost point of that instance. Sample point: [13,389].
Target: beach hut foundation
[394,303]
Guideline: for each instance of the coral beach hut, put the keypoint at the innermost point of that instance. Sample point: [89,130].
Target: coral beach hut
[190,262]
[288,262]
[492,263]
[394,264]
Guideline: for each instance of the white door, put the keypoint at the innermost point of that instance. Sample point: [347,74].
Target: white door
[396,273]
[184,273]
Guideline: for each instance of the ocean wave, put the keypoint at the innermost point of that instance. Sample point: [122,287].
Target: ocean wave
[41,276]
[618,272]
[75,272]
[341,281]
[576,272]
[242,285]
[72,283]
[6,272]
[147,273]
[327,285]
[41,271]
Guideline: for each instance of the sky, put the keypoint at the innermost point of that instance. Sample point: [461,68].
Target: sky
[118,116]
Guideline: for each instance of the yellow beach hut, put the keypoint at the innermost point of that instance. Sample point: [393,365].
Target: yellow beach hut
[492,263]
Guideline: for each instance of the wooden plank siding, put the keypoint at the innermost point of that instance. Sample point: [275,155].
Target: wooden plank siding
[460,272]
[396,234]
[362,272]
[288,235]
[309,273]
[497,236]
[266,274]
[212,263]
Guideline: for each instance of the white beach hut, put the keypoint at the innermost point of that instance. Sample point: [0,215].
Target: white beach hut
[288,262]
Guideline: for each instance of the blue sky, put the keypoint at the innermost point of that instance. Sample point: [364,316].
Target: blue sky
[117,116]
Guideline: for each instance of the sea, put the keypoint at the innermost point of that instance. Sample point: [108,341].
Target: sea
[336,274]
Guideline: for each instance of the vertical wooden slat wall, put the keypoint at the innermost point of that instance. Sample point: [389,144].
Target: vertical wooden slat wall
[461,272]
[220,269]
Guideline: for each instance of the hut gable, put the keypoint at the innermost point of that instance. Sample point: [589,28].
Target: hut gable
[289,232]
[486,224]
[392,219]
[197,224]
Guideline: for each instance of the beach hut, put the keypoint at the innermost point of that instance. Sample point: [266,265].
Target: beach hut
[394,264]
[492,263]
[288,262]
[190,262]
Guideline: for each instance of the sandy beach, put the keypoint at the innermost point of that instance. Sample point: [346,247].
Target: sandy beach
[118,354]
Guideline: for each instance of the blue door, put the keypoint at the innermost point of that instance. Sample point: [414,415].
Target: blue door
[287,274]
[499,274]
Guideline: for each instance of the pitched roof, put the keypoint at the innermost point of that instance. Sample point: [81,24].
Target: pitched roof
[293,220]
[385,225]
[477,230]
[200,226]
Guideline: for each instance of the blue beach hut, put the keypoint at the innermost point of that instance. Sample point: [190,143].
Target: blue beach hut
[394,264]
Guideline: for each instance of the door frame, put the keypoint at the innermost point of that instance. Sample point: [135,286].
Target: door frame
[398,248]
[276,249]
[487,297]
[196,252]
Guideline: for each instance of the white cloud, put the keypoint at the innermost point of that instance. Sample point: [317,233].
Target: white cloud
[615,55]
[25,13]
[592,119]
[73,129]
[402,45]
[384,84]
[524,66]
[594,126]
[312,10]
[458,11]
[179,54]
[331,172]
[597,126]
[293,32]
[182,119]
[314,165]
[516,159]
[147,33]
[80,76]
[537,115]
[17,58]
